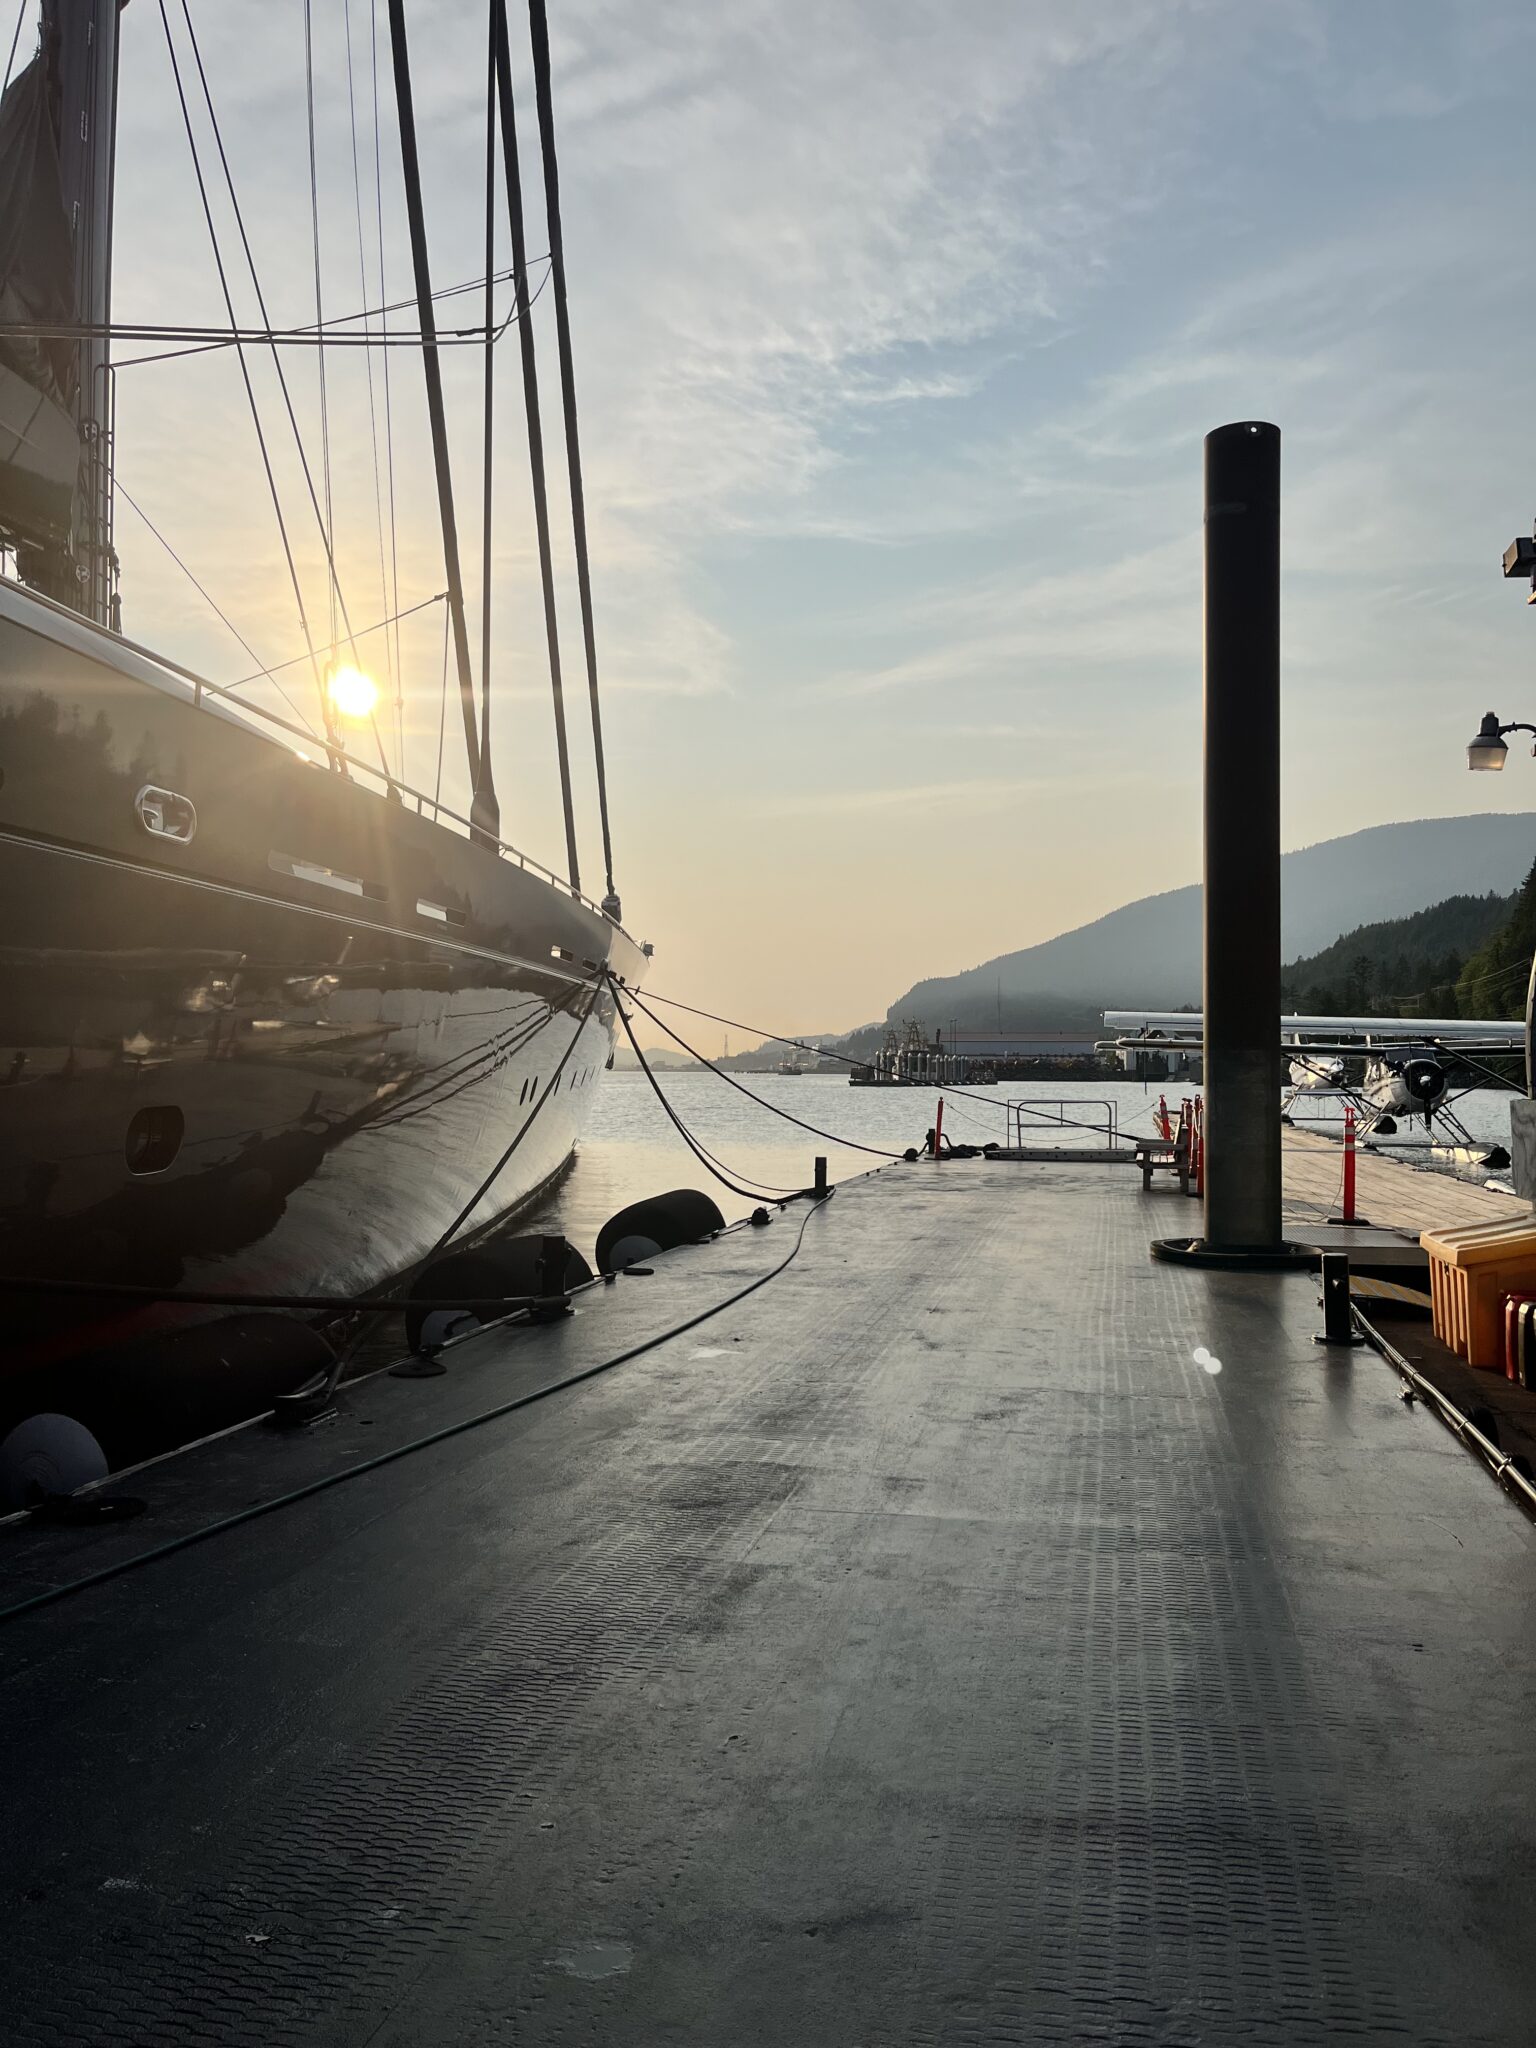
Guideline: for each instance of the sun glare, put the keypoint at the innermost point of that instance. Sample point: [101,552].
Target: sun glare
[353,694]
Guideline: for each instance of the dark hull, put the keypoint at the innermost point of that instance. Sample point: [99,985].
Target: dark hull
[332,1012]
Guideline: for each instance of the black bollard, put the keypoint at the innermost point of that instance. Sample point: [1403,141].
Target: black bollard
[1338,1323]
[820,1189]
[552,1301]
[1242,837]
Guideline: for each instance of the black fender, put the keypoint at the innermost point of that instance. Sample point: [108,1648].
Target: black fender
[683,1216]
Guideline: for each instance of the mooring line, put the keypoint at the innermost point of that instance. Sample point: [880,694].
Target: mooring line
[437,1436]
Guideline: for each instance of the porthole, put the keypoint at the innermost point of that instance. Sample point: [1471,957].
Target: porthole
[154,1138]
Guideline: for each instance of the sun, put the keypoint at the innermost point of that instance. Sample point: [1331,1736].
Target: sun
[353,694]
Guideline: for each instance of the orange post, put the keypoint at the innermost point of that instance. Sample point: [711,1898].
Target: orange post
[938,1131]
[1200,1146]
[1349,1163]
[1164,1125]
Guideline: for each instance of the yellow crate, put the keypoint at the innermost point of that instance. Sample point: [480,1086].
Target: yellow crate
[1471,1270]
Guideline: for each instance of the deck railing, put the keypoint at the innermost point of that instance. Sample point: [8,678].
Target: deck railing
[325,749]
[1053,1111]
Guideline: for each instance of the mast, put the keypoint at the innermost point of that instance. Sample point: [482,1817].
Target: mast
[484,813]
[87,165]
[501,60]
[544,100]
[59,130]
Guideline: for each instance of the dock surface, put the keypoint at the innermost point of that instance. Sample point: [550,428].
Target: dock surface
[979,1634]
[1391,1193]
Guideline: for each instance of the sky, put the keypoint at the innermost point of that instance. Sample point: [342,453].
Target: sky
[897,328]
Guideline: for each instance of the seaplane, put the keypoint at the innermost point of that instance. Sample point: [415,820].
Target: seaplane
[1387,1068]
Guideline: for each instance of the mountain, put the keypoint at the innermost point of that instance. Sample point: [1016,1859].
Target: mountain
[1402,966]
[1147,954]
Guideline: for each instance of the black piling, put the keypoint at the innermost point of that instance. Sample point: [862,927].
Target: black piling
[1242,837]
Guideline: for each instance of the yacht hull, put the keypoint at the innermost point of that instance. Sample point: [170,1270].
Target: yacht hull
[277,1056]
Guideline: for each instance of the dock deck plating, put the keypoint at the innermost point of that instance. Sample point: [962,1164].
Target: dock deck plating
[979,1634]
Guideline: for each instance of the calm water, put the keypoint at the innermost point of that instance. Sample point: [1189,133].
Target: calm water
[631,1151]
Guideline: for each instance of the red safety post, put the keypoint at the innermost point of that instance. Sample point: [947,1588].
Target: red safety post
[938,1131]
[1349,1163]
[1164,1123]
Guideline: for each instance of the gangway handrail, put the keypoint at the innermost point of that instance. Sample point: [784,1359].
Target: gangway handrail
[1018,1108]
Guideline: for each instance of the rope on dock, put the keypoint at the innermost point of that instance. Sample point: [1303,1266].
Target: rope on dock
[406,1450]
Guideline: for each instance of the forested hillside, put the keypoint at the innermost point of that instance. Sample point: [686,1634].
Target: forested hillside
[1493,982]
[1401,966]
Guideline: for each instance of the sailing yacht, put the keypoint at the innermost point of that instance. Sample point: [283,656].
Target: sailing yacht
[271,1022]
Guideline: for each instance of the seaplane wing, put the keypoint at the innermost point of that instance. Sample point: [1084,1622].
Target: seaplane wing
[1400,1066]
[1328,1034]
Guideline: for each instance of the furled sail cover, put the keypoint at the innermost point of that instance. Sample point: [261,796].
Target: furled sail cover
[39,439]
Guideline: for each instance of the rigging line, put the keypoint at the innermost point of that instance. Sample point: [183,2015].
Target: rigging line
[389,422]
[947,1088]
[489,1065]
[264,675]
[522,1131]
[433,375]
[314,235]
[540,33]
[442,715]
[445,1082]
[705,1158]
[21,16]
[875,1151]
[245,374]
[385,603]
[753,1030]
[380,1459]
[487,460]
[274,337]
[378,626]
[501,58]
[306,333]
[334,592]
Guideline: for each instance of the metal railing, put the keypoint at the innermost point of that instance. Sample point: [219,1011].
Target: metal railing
[1052,1112]
[324,749]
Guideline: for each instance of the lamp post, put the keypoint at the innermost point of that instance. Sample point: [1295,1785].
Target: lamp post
[1487,753]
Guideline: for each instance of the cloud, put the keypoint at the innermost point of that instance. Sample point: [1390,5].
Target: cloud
[780,218]
[979,794]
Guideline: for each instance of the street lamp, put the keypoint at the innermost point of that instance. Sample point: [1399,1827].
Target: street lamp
[1488,750]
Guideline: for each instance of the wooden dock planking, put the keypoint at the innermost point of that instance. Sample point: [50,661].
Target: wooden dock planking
[1388,1192]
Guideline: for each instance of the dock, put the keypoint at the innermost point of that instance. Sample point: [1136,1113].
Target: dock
[977,1633]
[1392,1194]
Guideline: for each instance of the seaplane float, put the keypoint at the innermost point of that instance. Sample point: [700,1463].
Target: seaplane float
[1387,1068]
